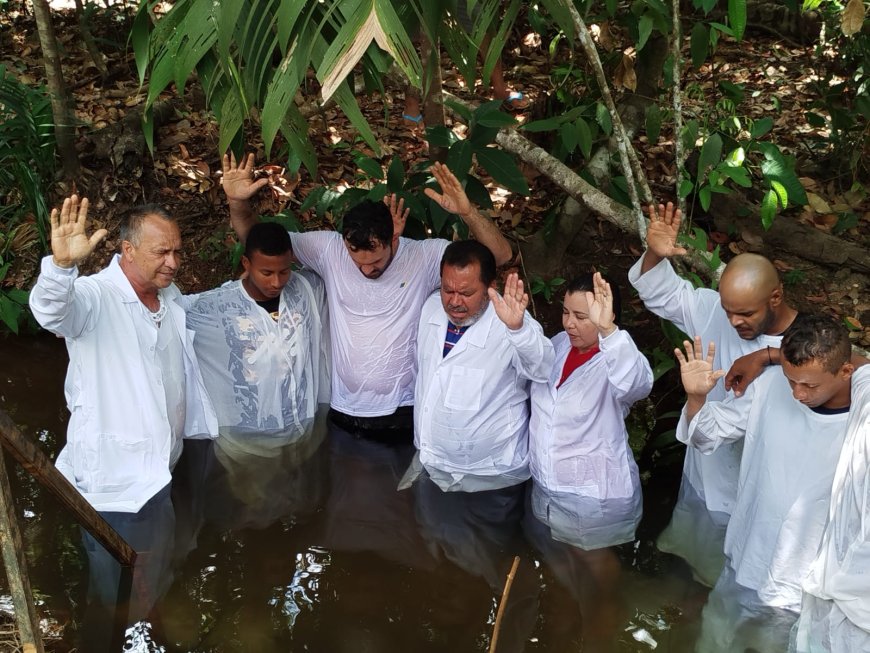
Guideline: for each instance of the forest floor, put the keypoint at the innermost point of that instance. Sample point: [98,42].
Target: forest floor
[183,174]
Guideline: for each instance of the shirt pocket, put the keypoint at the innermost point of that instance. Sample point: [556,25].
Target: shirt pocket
[464,388]
[117,462]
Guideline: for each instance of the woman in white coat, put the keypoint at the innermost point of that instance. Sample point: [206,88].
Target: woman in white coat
[586,489]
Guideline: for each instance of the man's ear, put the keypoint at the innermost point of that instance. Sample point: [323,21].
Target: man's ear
[846,371]
[776,296]
[246,263]
[126,249]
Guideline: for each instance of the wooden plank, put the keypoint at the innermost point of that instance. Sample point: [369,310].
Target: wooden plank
[34,460]
[16,568]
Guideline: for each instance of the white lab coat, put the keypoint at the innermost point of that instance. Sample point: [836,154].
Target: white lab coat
[709,485]
[119,439]
[789,459]
[263,375]
[587,487]
[471,418]
[373,322]
[835,615]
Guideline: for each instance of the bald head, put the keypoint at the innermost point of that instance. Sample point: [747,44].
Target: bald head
[751,295]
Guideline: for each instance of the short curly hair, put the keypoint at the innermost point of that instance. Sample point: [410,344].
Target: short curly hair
[816,338]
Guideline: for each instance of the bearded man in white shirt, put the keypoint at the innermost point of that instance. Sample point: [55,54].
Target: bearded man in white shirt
[376,283]
[477,353]
[133,387]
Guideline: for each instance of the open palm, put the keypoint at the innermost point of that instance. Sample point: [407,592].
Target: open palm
[69,243]
[696,371]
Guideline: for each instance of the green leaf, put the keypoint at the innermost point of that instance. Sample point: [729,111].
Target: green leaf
[644,29]
[705,195]
[459,159]
[737,17]
[690,134]
[584,137]
[549,124]
[781,192]
[814,119]
[10,313]
[810,5]
[699,44]
[602,116]
[369,166]
[461,109]
[711,152]
[477,192]
[761,127]
[768,209]
[139,37]
[440,136]
[502,169]
[736,157]
[498,119]
[395,175]
[775,169]
[568,134]
[653,123]
[686,187]
[740,175]
[734,92]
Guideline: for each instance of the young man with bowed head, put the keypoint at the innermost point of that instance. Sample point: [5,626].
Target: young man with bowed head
[793,422]
[263,342]
[376,283]
[747,314]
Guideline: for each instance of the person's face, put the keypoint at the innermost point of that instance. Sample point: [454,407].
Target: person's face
[812,385]
[154,262]
[750,317]
[266,275]
[575,320]
[372,263]
[463,295]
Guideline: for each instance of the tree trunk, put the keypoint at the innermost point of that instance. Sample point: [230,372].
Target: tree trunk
[433,101]
[88,39]
[61,101]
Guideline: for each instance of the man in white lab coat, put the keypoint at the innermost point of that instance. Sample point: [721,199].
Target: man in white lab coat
[793,421]
[133,388]
[477,352]
[749,313]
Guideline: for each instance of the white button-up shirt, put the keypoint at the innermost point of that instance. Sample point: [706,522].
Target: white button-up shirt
[119,440]
[472,413]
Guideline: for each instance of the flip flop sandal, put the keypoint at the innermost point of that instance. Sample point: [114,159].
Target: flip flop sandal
[514,102]
[414,119]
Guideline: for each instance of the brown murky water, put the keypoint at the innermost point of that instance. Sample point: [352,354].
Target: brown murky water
[307,546]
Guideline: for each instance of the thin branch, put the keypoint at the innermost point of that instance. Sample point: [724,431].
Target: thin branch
[679,155]
[628,157]
[501,605]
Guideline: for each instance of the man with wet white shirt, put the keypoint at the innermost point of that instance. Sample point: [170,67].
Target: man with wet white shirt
[376,283]
[133,387]
[749,313]
[262,341]
[793,421]
[477,352]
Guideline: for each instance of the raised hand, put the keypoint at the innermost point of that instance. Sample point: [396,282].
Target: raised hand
[238,180]
[452,197]
[600,303]
[697,372]
[70,245]
[510,306]
[399,213]
[664,227]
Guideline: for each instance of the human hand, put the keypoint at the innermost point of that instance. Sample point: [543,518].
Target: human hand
[398,212]
[600,303]
[696,372]
[745,370]
[511,305]
[238,180]
[452,197]
[70,245]
[664,227]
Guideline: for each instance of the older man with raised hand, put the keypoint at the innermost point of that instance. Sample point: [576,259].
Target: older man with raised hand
[133,387]
[477,353]
[749,313]
[376,283]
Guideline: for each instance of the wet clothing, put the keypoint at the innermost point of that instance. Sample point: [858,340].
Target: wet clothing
[471,417]
[835,614]
[713,478]
[373,322]
[263,374]
[119,441]
[789,459]
[587,488]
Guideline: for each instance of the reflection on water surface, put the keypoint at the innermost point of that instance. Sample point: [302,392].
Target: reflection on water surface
[304,544]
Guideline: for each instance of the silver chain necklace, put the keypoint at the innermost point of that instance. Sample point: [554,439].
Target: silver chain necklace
[158,315]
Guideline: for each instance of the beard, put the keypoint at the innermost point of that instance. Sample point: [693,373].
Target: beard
[468,320]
